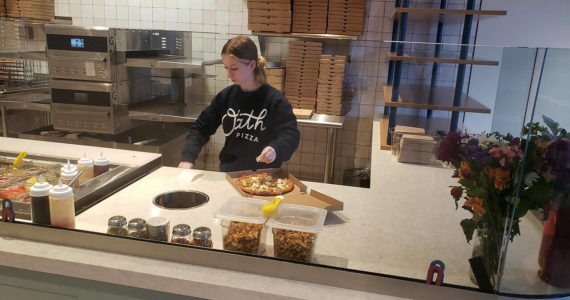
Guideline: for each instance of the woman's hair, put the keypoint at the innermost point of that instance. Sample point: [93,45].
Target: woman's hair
[244,49]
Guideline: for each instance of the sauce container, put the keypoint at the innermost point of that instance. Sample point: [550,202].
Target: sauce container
[87,164]
[243,225]
[100,165]
[295,230]
[62,206]
[39,200]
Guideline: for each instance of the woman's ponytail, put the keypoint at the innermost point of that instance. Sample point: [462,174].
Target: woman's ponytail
[261,70]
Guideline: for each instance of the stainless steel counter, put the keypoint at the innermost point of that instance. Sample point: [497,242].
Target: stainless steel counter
[161,112]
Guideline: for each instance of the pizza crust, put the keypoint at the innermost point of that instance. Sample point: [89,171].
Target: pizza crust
[264,184]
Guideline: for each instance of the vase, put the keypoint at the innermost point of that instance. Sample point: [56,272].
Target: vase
[554,254]
[488,247]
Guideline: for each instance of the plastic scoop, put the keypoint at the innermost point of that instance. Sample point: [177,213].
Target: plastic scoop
[19,159]
[270,209]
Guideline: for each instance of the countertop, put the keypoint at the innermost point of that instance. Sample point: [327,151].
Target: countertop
[397,227]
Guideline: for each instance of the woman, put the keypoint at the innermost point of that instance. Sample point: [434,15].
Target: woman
[258,121]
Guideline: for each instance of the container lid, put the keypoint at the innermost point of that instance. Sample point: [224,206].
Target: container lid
[117,221]
[40,188]
[68,174]
[299,218]
[68,166]
[137,224]
[181,229]
[158,222]
[242,210]
[101,160]
[85,161]
[61,191]
[202,233]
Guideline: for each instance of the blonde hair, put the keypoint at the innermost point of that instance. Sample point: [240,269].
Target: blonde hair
[244,49]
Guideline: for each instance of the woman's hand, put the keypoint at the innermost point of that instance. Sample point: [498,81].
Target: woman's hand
[267,156]
[185,165]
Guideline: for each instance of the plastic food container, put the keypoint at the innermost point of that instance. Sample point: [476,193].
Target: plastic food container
[295,230]
[243,225]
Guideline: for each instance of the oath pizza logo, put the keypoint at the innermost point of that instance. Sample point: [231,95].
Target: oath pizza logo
[248,121]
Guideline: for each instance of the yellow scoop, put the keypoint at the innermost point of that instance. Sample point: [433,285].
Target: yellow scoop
[19,159]
[270,209]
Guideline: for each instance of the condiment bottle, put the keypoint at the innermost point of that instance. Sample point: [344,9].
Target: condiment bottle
[181,234]
[62,206]
[157,229]
[101,165]
[202,237]
[85,163]
[117,225]
[137,228]
[69,167]
[39,199]
[67,174]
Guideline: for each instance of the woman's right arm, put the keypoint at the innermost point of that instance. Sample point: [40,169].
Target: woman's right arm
[200,132]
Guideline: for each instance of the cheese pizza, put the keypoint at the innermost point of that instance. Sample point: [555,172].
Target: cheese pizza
[264,184]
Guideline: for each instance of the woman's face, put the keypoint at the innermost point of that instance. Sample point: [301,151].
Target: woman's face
[239,73]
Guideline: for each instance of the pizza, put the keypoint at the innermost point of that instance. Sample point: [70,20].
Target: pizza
[264,184]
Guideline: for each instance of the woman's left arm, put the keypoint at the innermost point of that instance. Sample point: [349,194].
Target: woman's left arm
[285,132]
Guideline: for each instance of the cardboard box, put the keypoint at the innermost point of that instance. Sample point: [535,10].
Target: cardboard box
[298,195]
[302,113]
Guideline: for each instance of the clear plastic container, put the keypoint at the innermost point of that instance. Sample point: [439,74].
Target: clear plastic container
[295,230]
[243,225]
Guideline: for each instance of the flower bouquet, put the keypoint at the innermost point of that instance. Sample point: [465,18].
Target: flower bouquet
[490,180]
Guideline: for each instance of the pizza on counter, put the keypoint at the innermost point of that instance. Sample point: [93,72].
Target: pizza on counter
[264,184]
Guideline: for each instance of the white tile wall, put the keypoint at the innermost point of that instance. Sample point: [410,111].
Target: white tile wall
[214,21]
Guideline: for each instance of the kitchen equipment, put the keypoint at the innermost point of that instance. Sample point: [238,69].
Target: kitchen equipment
[7,211]
[92,84]
[270,209]
[19,159]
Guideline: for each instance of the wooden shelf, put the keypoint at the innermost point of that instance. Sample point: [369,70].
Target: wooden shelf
[431,125]
[443,15]
[448,60]
[308,35]
[418,96]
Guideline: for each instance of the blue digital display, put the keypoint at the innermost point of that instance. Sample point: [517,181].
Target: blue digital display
[77,43]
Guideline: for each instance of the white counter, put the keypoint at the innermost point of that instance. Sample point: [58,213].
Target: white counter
[75,152]
[397,227]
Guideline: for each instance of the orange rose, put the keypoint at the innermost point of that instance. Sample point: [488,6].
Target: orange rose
[476,204]
[502,177]
[464,171]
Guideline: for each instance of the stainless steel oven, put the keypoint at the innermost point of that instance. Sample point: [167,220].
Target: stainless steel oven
[92,85]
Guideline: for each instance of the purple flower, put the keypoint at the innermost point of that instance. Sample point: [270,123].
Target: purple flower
[515,142]
[450,148]
[476,153]
[558,159]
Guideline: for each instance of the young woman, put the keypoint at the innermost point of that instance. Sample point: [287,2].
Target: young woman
[258,121]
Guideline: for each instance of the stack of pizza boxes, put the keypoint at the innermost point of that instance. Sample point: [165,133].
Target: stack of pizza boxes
[302,72]
[269,15]
[33,9]
[276,77]
[310,16]
[345,17]
[329,89]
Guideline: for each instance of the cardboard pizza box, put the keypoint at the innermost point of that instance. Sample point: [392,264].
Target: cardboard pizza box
[302,113]
[299,195]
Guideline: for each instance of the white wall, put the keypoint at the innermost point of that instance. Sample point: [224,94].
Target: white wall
[528,23]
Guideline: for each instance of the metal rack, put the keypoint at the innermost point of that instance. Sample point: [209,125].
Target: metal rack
[424,97]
